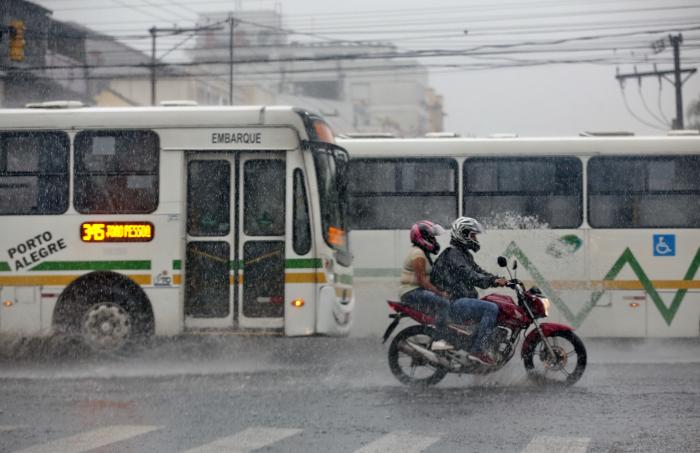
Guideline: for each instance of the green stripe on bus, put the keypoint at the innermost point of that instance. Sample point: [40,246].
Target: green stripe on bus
[91,265]
[378,272]
[303,263]
[4,266]
[344,278]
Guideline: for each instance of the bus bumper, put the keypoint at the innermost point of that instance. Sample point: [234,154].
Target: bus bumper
[334,312]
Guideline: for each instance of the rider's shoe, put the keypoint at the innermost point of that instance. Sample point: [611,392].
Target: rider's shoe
[441,345]
[482,358]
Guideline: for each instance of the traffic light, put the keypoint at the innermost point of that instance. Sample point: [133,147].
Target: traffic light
[17,40]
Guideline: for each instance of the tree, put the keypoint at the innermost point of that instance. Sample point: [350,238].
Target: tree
[694,114]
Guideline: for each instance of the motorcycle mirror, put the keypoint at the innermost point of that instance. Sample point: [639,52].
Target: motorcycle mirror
[502,261]
[515,264]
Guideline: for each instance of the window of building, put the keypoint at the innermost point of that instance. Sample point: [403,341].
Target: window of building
[116,171]
[395,193]
[644,192]
[524,192]
[323,89]
[34,172]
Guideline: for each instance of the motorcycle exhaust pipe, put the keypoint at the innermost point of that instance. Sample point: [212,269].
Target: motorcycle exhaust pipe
[426,354]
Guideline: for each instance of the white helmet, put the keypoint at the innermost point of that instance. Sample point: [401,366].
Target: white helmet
[464,231]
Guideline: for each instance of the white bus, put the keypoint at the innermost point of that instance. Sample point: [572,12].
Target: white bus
[608,227]
[119,223]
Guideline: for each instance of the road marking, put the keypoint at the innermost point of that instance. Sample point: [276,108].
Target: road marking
[91,439]
[8,428]
[247,440]
[549,444]
[399,441]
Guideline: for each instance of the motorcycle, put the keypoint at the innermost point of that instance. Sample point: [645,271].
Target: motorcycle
[551,353]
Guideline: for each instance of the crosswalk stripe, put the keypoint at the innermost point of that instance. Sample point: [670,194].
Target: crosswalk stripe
[550,444]
[399,441]
[91,439]
[247,440]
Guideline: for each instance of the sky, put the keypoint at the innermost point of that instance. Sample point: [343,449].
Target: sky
[527,67]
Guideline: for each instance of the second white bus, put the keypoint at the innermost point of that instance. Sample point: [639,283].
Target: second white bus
[607,227]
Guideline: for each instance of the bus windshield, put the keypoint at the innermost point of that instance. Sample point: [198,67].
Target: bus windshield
[331,164]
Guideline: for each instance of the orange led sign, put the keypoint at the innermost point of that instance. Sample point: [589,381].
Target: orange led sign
[116,231]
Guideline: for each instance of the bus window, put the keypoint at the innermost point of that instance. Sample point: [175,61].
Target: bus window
[116,172]
[208,198]
[34,173]
[643,192]
[524,192]
[394,193]
[301,233]
[264,184]
[331,165]
[207,290]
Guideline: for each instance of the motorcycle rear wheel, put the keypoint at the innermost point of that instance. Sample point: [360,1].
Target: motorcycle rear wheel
[567,365]
[412,368]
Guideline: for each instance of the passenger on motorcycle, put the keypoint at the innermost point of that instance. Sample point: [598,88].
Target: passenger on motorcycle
[456,272]
[416,289]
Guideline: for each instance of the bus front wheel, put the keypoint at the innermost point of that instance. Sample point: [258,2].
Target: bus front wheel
[107,327]
[108,312]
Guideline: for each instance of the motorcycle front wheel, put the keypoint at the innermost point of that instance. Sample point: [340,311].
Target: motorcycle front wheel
[410,366]
[564,367]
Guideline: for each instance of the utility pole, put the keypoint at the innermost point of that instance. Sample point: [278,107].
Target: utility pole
[232,24]
[153,31]
[677,71]
[676,42]
[175,31]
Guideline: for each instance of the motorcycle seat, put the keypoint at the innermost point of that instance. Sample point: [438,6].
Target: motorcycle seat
[423,317]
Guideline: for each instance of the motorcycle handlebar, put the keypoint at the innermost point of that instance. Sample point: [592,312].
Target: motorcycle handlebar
[515,284]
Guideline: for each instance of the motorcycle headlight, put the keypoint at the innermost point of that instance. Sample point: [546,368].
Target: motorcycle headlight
[545,304]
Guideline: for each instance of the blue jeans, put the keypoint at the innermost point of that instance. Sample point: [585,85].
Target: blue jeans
[428,302]
[464,309]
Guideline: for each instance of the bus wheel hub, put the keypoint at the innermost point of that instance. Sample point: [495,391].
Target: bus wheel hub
[106,326]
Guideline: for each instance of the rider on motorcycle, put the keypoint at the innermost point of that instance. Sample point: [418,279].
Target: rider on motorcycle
[456,272]
[416,289]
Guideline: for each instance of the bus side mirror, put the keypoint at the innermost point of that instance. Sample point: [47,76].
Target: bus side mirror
[502,261]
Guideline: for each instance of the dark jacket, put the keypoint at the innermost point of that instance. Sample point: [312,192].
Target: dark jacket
[456,272]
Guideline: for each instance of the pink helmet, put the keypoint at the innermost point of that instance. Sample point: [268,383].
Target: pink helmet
[423,235]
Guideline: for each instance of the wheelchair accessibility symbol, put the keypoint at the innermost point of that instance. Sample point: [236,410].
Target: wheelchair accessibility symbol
[664,245]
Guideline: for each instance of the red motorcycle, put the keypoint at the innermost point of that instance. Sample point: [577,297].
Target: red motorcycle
[552,353]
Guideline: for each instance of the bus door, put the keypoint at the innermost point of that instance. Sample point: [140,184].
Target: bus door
[234,263]
[261,250]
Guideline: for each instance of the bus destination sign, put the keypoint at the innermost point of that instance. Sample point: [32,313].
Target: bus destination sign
[117,231]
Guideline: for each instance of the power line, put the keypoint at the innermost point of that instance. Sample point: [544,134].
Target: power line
[646,107]
[433,53]
[624,98]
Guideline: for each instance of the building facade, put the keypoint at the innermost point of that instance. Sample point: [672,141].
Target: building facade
[244,57]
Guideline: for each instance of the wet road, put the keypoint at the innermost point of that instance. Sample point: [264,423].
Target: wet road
[337,395]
